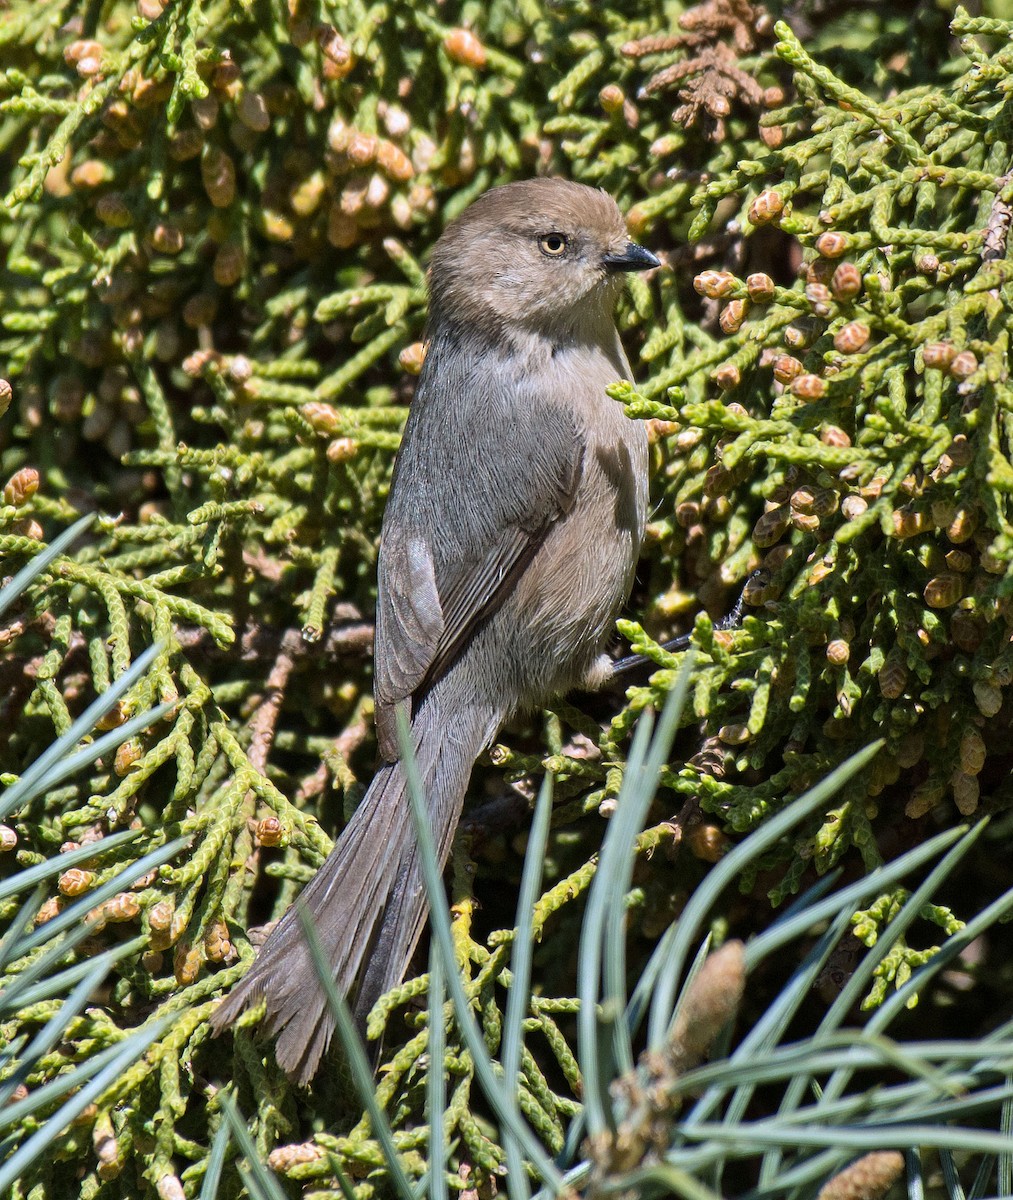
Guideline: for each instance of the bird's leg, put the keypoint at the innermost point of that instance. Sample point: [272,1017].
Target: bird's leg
[732,621]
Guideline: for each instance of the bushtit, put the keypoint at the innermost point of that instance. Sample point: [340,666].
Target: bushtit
[508,544]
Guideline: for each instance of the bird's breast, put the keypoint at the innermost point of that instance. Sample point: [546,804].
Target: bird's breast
[568,599]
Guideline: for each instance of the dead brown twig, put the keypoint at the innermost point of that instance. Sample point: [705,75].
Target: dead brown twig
[714,36]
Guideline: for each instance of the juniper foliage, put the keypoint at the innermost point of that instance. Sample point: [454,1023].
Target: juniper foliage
[215,221]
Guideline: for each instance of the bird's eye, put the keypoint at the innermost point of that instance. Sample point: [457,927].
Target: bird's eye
[552,244]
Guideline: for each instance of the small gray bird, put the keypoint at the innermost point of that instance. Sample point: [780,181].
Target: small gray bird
[508,545]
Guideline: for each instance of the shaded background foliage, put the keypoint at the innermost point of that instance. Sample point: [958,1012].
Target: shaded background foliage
[215,226]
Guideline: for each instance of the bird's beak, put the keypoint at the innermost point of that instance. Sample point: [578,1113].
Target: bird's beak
[631,258]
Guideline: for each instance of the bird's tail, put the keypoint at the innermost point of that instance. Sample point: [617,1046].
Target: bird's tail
[366,901]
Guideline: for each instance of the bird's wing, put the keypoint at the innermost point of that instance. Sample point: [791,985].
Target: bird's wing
[426,614]
[470,592]
[409,615]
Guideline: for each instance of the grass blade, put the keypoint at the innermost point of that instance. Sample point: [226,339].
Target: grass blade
[216,1161]
[520,969]
[259,1180]
[436,1083]
[126,1053]
[362,1073]
[503,1104]
[39,773]
[728,869]
[39,562]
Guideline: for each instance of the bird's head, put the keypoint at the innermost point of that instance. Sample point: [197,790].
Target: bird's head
[540,254]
